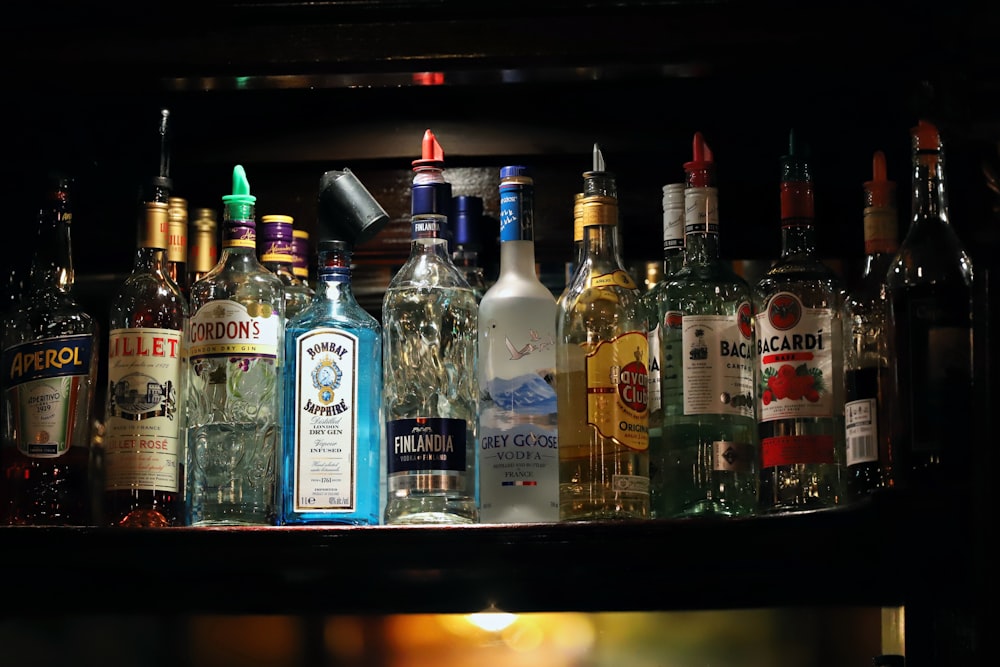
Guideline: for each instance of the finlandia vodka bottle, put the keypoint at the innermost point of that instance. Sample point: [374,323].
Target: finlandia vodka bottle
[235,348]
[866,361]
[800,355]
[276,246]
[709,439]
[930,297]
[429,340]
[333,398]
[662,364]
[50,364]
[602,357]
[518,430]
[144,415]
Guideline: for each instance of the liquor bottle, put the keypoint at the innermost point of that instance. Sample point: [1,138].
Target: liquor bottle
[709,440]
[662,365]
[430,392]
[518,429]
[143,442]
[602,356]
[466,224]
[235,349]
[177,242]
[798,306]
[866,358]
[930,298]
[578,249]
[330,459]
[50,361]
[203,251]
[300,251]
[275,245]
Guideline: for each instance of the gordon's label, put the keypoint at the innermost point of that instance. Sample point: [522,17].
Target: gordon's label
[228,328]
[617,389]
[325,421]
[44,379]
[718,360]
[142,441]
[795,348]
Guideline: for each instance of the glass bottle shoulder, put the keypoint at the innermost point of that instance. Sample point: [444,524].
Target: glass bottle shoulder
[429,266]
[239,277]
[148,298]
[812,280]
[47,314]
[931,252]
[342,314]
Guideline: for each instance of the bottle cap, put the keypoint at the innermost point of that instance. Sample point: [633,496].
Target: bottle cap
[239,204]
[513,171]
[466,220]
[699,169]
[274,238]
[881,190]
[926,136]
[347,211]
[431,153]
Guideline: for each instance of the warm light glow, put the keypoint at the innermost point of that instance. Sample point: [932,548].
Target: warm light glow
[492,621]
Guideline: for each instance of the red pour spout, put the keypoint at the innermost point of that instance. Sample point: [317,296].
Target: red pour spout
[700,167]
[880,187]
[431,153]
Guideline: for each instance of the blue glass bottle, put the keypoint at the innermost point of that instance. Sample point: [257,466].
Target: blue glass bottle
[333,394]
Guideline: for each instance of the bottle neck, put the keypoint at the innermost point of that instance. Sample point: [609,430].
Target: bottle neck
[929,199]
[427,234]
[517,258]
[798,235]
[333,276]
[701,225]
[52,264]
[601,244]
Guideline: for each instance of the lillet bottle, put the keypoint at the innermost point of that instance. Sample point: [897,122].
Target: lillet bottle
[50,353]
[602,357]
[235,345]
[430,392]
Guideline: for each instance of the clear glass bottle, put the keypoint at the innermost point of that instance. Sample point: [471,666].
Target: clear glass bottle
[331,440]
[578,249]
[203,250]
[143,441]
[930,298]
[602,357]
[518,429]
[50,361]
[798,306]
[466,223]
[430,388]
[177,242]
[866,360]
[709,440]
[275,244]
[662,364]
[235,348]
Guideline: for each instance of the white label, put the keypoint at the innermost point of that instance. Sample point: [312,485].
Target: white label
[227,328]
[718,366]
[795,349]
[142,442]
[326,382]
[655,392]
[862,425]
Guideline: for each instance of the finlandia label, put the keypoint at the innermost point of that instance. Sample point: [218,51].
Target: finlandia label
[795,353]
[718,364]
[44,378]
[141,444]
[325,435]
[617,394]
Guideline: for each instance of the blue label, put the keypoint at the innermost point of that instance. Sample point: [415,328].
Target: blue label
[516,213]
[63,356]
[429,444]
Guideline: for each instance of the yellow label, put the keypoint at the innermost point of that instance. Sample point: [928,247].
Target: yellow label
[617,278]
[617,390]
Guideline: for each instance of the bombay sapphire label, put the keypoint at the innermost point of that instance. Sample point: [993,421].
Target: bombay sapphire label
[426,444]
[44,378]
[325,427]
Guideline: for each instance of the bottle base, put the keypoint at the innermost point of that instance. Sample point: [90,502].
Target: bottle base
[429,510]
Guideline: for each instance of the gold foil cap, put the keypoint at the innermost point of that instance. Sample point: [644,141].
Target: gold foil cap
[153,231]
[578,217]
[177,216]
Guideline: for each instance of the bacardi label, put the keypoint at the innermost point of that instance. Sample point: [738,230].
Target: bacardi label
[718,364]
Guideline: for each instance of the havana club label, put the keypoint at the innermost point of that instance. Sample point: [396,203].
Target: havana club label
[617,389]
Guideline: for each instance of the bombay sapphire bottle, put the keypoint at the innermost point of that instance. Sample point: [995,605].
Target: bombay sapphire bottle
[333,394]
[429,367]
[235,347]
[518,429]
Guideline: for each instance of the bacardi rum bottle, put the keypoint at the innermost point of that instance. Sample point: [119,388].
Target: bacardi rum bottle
[800,358]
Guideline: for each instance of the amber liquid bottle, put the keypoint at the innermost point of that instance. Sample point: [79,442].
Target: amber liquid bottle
[50,355]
